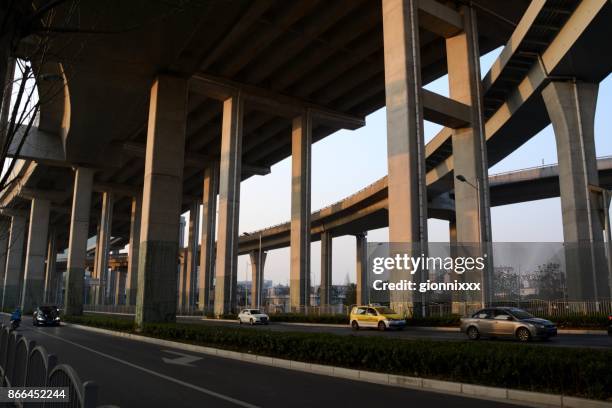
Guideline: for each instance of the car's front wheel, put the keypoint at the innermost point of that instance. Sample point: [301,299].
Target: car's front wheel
[355,325]
[382,326]
[473,333]
[239,321]
[252,322]
[523,334]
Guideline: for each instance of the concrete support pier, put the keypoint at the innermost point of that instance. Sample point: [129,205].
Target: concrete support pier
[472,204]
[131,282]
[301,142]
[361,263]
[77,243]
[161,201]
[51,279]
[326,269]
[229,205]
[34,275]
[571,108]
[192,256]
[14,262]
[102,248]
[405,140]
[258,261]
[207,241]
[5,230]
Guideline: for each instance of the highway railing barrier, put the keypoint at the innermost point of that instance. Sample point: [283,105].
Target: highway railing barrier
[24,364]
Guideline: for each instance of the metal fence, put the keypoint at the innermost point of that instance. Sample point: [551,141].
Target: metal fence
[24,364]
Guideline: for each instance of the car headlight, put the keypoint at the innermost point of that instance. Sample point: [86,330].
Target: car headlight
[40,318]
[539,325]
[57,318]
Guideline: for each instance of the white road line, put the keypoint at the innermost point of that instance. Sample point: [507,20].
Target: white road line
[155,373]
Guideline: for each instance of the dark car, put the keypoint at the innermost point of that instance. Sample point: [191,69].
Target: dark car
[47,315]
[610,325]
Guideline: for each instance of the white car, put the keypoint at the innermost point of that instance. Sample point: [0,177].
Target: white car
[253,316]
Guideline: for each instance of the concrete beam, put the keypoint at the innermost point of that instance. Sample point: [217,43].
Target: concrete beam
[258,261]
[301,141]
[14,262]
[571,108]
[51,278]
[207,245]
[326,268]
[405,139]
[229,205]
[439,19]
[472,205]
[134,245]
[274,102]
[161,201]
[192,256]
[34,276]
[102,248]
[77,243]
[445,111]
[361,266]
[192,159]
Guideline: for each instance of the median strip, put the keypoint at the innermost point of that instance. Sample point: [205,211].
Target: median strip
[534,369]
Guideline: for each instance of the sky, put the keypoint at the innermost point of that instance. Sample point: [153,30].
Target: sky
[347,161]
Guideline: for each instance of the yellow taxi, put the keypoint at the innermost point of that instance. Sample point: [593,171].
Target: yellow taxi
[375,316]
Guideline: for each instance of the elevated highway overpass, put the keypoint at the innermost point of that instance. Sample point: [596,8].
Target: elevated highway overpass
[160,106]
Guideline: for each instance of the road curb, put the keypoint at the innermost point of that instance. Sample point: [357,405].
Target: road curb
[520,397]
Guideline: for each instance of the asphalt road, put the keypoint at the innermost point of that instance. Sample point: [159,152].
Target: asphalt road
[561,340]
[134,374]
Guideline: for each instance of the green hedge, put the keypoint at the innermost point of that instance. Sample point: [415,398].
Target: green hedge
[568,371]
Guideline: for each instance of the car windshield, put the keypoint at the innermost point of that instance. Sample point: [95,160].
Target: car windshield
[520,314]
[48,309]
[385,310]
[255,311]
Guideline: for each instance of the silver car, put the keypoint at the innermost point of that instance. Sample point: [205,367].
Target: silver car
[507,322]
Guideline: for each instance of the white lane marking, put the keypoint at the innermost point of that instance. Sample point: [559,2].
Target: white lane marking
[155,373]
[183,359]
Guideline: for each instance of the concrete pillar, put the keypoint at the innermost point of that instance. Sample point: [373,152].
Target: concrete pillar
[192,255]
[405,140]
[93,290]
[361,263]
[207,244]
[34,276]
[229,202]
[571,108]
[161,201]
[102,247]
[326,269]
[301,145]
[5,228]
[119,287]
[77,243]
[51,268]
[258,261]
[182,280]
[132,272]
[472,204]
[14,262]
